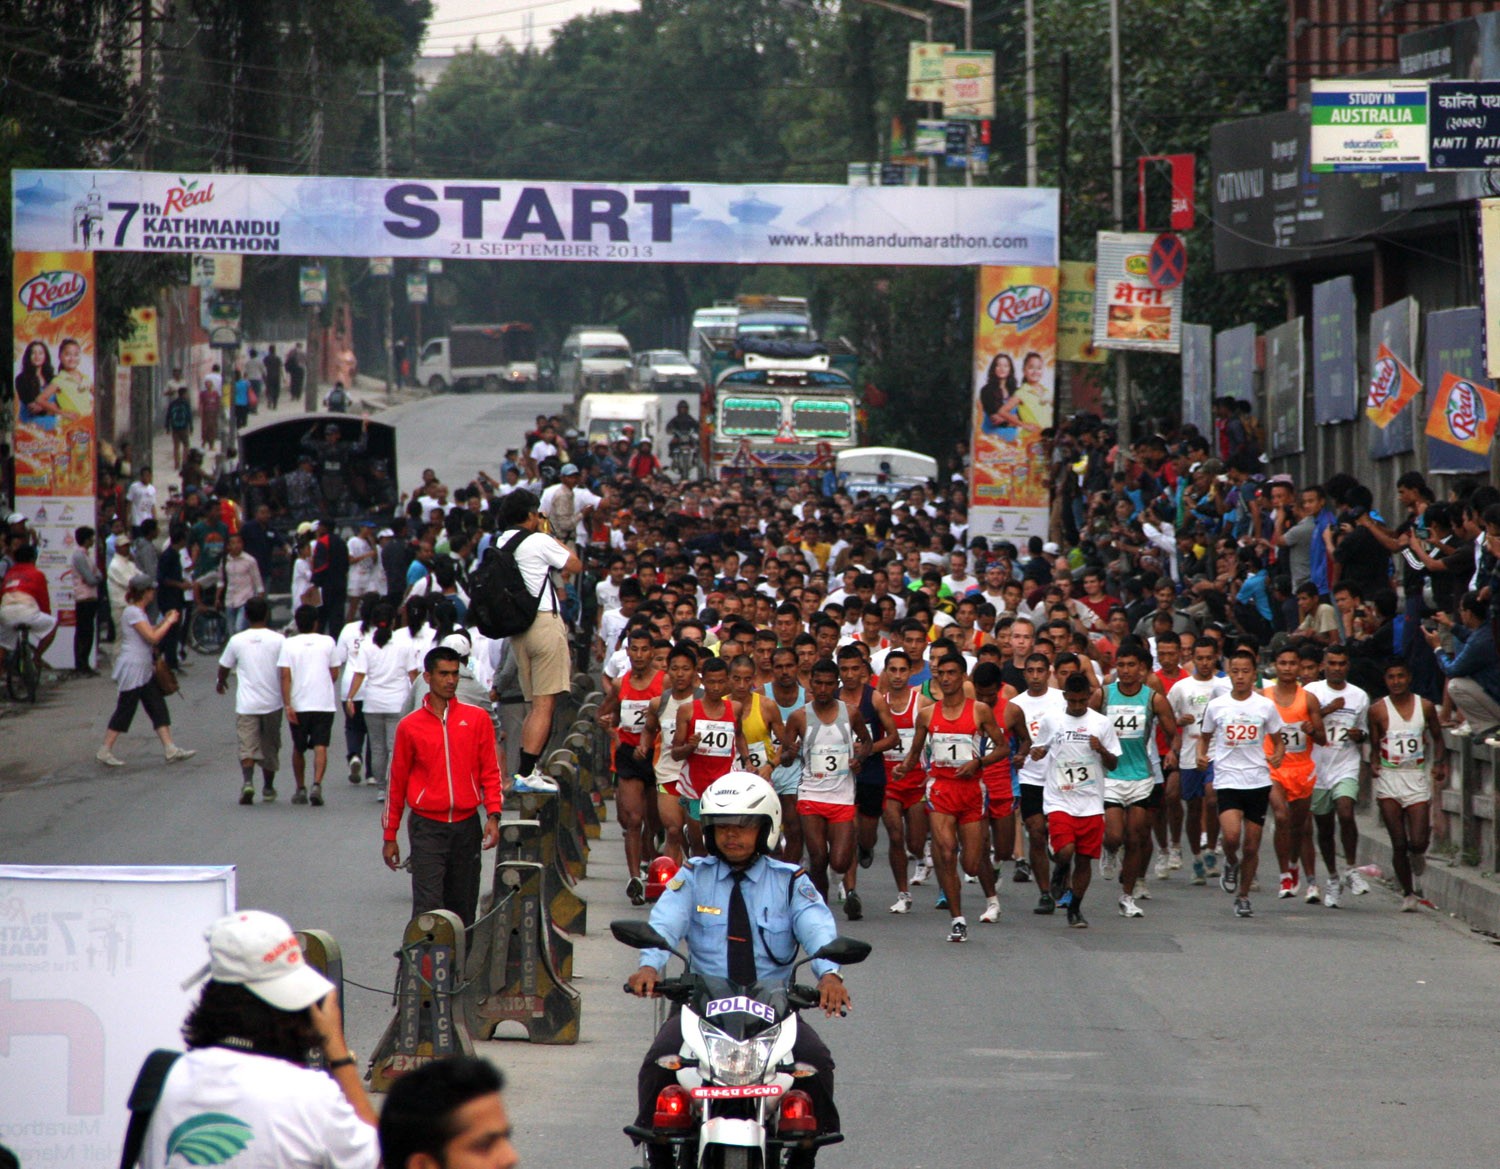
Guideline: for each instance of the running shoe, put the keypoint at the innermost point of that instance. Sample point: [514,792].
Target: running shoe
[370,780]
[1242,907]
[842,893]
[635,889]
[299,796]
[991,912]
[1161,866]
[866,857]
[1200,877]
[1128,907]
[1065,900]
[922,872]
[1045,903]
[535,783]
[315,798]
[108,758]
[1022,875]
[1313,894]
[178,754]
[1331,895]
[903,903]
[356,768]
[247,795]
[1076,919]
[959,932]
[1410,903]
[1297,880]
[1174,857]
[854,908]
[1142,891]
[1109,864]
[941,902]
[1358,886]
[268,794]
[1288,886]
[1229,879]
[1211,862]
[1059,880]
[970,878]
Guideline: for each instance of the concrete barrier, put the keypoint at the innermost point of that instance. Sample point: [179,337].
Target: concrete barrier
[427,1026]
[524,840]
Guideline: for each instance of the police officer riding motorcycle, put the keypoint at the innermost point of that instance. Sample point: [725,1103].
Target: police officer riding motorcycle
[753,1080]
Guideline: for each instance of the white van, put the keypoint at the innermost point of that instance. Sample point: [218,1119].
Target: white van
[594,358]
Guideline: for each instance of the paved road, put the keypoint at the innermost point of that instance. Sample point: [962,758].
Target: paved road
[459,434]
[1304,1037]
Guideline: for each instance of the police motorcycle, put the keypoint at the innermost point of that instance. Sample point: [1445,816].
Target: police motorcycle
[735,1104]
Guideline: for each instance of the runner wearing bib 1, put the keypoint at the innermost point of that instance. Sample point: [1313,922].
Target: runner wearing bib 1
[911,787]
[634,703]
[1402,774]
[952,742]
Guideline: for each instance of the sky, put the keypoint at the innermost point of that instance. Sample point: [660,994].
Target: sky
[455,23]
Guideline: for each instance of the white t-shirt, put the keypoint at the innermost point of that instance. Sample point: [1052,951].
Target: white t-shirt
[535,556]
[1239,729]
[582,498]
[142,500]
[1189,698]
[1037,710]
[386,683]
[617,664]
[959,585]
[309,656]
[413,648]
[607,595]
[611,624]
[344,650]
[1341,758]
[281,1116]
[252,655]
[542,449]
[366,576]
[1075,772]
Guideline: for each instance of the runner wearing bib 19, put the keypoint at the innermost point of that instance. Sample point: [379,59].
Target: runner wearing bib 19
[1345,709]
[905,812]
[949,732]
[1292,780]
[1404,730]
[626,708]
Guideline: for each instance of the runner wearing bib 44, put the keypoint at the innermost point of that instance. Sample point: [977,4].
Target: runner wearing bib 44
[1292,780]
[949,732]
[905,812]
[1404,728]
[831,741]
[626,709]
[1131,791]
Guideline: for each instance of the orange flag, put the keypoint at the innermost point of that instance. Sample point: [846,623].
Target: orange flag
[1392,386]
[1464,413]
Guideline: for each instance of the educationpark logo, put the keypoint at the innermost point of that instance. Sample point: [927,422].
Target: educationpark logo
[54,293]
[1020,305]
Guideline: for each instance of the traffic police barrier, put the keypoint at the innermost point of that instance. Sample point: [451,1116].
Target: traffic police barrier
[323,954]
[572,851]
[524,840]
[427,1025]
[578,801]
[514,977]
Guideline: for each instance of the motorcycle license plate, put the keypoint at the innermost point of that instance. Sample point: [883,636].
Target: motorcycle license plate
[725,1092]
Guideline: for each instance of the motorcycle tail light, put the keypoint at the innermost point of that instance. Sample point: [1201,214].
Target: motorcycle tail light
[673,1108]
[662,870]
[796,1114]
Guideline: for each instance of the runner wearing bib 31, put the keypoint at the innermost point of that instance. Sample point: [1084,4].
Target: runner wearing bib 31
[1292,780]
[625,709]
[905,812]
[949,732]
[1402,726]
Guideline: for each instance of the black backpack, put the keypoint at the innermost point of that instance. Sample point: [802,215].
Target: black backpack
[500,604]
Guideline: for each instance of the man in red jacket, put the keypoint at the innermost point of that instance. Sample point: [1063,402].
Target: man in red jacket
[443,766]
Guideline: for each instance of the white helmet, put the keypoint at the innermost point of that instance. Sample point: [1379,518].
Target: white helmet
[735,798]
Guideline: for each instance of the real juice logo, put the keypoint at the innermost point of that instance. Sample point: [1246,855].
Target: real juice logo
[1020,305]
[54,293]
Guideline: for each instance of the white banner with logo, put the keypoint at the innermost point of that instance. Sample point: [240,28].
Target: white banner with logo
[92,961]
[691,223]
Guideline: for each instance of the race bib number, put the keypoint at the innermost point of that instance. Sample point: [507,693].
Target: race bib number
[1130,721]
[907,735]
[1296,737]
[829,762]
[1239,734]
[633,715]
[1404,749]
[717,740]
[1340,735]
[952,750]
[1076,773]
[757,753]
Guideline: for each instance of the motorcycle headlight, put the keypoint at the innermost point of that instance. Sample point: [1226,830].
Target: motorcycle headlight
[735,1063]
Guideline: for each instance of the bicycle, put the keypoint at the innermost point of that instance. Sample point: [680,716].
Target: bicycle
[23,669]
[208,630]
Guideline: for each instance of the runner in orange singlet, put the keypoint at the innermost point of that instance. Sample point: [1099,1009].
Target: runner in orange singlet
[1292,782]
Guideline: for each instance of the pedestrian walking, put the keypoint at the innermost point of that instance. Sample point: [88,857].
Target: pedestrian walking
[308,677]
[296,371]
[141,497]
[379,681]
[245,1082]
[135,674]
[273,367]
[173,589]
[440,1112]
[87,581]
[330,573]
[179,420]
[350,637]
[241,401]
[118,576]
[239,580]
[210,405]
[252,655]
[255,374]
[542,656]
[443,766]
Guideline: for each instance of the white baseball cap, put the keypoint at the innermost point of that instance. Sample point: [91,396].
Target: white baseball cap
[258,951]
[383,533]
[459,642]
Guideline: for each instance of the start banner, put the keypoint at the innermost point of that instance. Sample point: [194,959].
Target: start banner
[693,223]
[1015,378]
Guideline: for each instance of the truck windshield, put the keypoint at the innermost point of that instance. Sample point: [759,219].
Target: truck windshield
[747,417]
[818,419]
[605,353]
[520,345]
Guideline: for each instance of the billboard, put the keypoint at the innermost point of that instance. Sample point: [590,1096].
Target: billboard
[1075,314]
[1368,126]
[1015,372]
[1129,311]
[1198,378]
[693,223]
[1393,330]
[1284,386]
[56,448]
[1234,363]
[1335,365]
[1453,351]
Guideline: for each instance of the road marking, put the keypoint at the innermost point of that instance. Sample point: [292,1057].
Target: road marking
[1029,1053]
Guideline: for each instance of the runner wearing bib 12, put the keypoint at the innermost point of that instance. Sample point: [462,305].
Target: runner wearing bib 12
[1345,709]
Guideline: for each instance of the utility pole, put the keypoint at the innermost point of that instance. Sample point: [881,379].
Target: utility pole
[926,19]
[1117,159]
[142,387]
[380,94]
[1031,166]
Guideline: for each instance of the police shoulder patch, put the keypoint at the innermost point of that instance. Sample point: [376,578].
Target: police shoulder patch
[807,889]
[677,882]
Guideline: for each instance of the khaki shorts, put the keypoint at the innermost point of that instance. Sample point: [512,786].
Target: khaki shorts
[260,738]
[1406,787]
[542,657]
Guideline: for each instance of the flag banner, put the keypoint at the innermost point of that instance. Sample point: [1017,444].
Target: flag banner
[1392,386]
[1464,413]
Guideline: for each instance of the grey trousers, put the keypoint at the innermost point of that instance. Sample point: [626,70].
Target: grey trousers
[445,865]
[381,729]
[1474,704]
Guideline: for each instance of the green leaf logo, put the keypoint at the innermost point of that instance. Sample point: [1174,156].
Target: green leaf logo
[210,1139]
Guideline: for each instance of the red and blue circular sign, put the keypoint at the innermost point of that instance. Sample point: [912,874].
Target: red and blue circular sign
[1166,266]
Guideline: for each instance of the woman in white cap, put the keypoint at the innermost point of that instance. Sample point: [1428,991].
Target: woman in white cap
[135,673]
[244,1082]
[304,592]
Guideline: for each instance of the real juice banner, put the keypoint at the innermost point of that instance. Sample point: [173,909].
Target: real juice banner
[1015,380]
[56,445]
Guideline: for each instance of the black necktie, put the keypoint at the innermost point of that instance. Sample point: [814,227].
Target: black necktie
[741,945]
